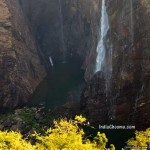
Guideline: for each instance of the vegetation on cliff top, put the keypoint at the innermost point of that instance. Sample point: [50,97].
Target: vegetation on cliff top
[141,140]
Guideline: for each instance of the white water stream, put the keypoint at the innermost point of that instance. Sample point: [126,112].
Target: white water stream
[62,28]
[104,27]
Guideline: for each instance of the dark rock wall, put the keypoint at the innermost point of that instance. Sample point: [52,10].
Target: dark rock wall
[81,21]
[77,20]
[128,99]
[46,23]
[20,67]
[132,53]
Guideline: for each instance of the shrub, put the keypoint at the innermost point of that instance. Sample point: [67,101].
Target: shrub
[141,140]
[64,135]
[67,135]
[13,141]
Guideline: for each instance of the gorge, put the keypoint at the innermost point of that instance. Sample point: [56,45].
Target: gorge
[97,49]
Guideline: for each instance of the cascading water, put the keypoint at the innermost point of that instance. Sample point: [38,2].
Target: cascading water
[104,27]
[62,29]
[132,23]
[104,54]
[108,69]
[51,61]
[139,97]
[103,64]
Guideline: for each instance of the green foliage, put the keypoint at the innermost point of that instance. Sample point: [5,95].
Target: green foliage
[27,117]
[142,139]
[64,135]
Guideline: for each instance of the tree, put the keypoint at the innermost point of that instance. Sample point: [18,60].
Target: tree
[141,140]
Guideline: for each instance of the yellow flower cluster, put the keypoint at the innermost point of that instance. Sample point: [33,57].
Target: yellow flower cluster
[141,140]
[13,141]
[64,135]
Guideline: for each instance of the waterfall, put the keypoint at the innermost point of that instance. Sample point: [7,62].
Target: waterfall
[61,28]
[104,27]
[51,61]
[108,69]
[132,23]
[104,55]
[139,97]
[103,64]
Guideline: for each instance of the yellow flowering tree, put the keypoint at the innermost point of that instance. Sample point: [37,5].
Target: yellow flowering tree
[14,141]
[66,135]
[141,140]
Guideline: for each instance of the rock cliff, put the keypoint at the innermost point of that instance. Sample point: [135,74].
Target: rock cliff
[61,29]
[20,67]
[127,97]
[64,27]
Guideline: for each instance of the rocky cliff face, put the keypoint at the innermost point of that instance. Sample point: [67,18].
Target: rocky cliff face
[61,29]
[70,28]
[20,67]
[127,98]
[81,22]
[64,27]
